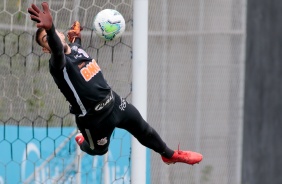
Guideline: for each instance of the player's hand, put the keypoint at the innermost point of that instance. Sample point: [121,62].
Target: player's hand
[74,32]
[43,18]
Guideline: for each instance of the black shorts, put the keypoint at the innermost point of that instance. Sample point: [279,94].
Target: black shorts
[97,134]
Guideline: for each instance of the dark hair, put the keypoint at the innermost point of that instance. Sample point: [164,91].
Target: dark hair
[38,32]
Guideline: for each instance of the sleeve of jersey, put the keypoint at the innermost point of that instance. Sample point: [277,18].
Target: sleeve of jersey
[57,50]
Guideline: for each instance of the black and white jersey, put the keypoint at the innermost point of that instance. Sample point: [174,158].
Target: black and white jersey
[81,81]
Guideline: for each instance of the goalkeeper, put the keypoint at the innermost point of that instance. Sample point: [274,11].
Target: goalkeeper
[97,108]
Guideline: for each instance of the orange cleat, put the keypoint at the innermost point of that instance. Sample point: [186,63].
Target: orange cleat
[187,157]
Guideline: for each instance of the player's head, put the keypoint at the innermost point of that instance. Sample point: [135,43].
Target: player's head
[41,39]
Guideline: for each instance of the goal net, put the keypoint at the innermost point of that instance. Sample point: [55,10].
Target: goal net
[36,130]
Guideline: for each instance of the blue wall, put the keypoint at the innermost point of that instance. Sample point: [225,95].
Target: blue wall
[23,150]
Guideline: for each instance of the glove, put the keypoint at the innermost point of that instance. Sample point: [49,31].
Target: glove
[43,18]
[74,32]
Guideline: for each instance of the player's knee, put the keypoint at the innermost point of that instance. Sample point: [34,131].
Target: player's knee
[148,131]
[145,136]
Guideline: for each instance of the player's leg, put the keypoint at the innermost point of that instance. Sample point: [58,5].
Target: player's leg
[133,122]
[143,132]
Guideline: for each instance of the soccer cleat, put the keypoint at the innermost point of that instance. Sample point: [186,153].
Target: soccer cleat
[187,157]
[79,138]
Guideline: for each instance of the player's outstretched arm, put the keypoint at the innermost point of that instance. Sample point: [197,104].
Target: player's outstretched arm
[74,35]
[44,20]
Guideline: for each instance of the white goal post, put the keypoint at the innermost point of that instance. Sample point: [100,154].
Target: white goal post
[139,84]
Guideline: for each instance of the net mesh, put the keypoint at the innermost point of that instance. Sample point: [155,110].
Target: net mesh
[196,68]
[195,91]
[37,131]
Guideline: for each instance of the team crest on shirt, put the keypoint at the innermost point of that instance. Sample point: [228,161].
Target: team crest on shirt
[74,48]
[102,141]
[79,52]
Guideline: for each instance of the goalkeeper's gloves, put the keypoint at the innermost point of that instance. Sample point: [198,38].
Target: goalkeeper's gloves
[74,32]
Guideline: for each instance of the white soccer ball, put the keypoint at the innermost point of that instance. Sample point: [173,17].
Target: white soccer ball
[109,24]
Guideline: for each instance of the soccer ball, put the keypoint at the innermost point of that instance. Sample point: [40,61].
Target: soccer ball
[109,24]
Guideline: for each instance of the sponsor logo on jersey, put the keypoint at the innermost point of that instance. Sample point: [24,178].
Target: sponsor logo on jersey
[90,70]
[105,102]
[102,141]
